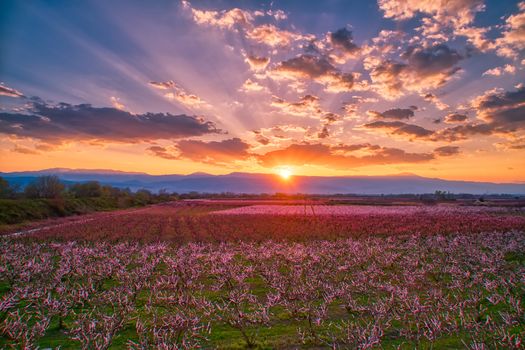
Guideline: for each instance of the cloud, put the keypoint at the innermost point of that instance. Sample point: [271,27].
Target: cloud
[260,138]
[340,157]
[502,113]
[243,21]
[463,132]
[435,100]
[24,150]
[163,85]
[179,94]
[257,63]
[460,12]
[395,113]
[307,106]
[446,151]
[187,99]
[455,118]
[214,152]
[415,132]
[410,131]
[445,19]
[423,69]
[65,122]
[502,108]
[278,134]
[342,40]
[222,19]
[272,36]
[513,37]
[438,17]
[431,61]
[318,69]
[162,152]
[7,91]
[343,45]
[253,86]
[210,152]
[514,144]
[115,101]
[324,133]
[477,36]
[497,71]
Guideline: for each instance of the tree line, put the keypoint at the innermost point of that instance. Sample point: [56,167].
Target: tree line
[51,187]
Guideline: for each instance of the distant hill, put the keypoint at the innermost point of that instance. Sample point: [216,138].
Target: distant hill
[268,183]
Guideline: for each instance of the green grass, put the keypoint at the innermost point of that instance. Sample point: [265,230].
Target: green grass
[17,211]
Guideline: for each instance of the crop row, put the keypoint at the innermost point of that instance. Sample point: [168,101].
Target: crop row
[198,223]
[459,290]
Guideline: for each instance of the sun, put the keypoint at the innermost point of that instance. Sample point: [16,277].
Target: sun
[284,173]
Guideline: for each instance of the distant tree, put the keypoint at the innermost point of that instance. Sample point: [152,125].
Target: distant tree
[163,195]
[48,186]
[143,197]
[443,195]
[86,189]
[6,191]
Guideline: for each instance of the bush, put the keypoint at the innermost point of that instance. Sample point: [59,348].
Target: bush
[48,186]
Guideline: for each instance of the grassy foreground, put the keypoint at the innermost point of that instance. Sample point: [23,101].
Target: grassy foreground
[14,211]
[410,291]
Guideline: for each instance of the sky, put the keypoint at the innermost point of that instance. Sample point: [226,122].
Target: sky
[331,88]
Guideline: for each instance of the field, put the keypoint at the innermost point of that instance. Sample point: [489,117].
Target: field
[259,274]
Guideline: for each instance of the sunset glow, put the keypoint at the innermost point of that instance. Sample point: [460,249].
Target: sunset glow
[333,88]
[285,173]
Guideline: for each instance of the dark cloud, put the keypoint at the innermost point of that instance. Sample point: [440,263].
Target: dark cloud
[503,113]
[340,157]
[463,132]
[395,113]
[502,108]
[416,132]
[65,122]
[342,39]
[342,45]
[324,133]
[455,118]
[400,128]
[318,69]
[162,152]
[163,85]
[308,65]
[423,69]
[433,60]
[446,151]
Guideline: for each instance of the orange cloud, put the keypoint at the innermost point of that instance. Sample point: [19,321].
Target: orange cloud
[343,156]
[272,36]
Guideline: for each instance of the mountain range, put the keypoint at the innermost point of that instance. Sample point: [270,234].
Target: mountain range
[268,183]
